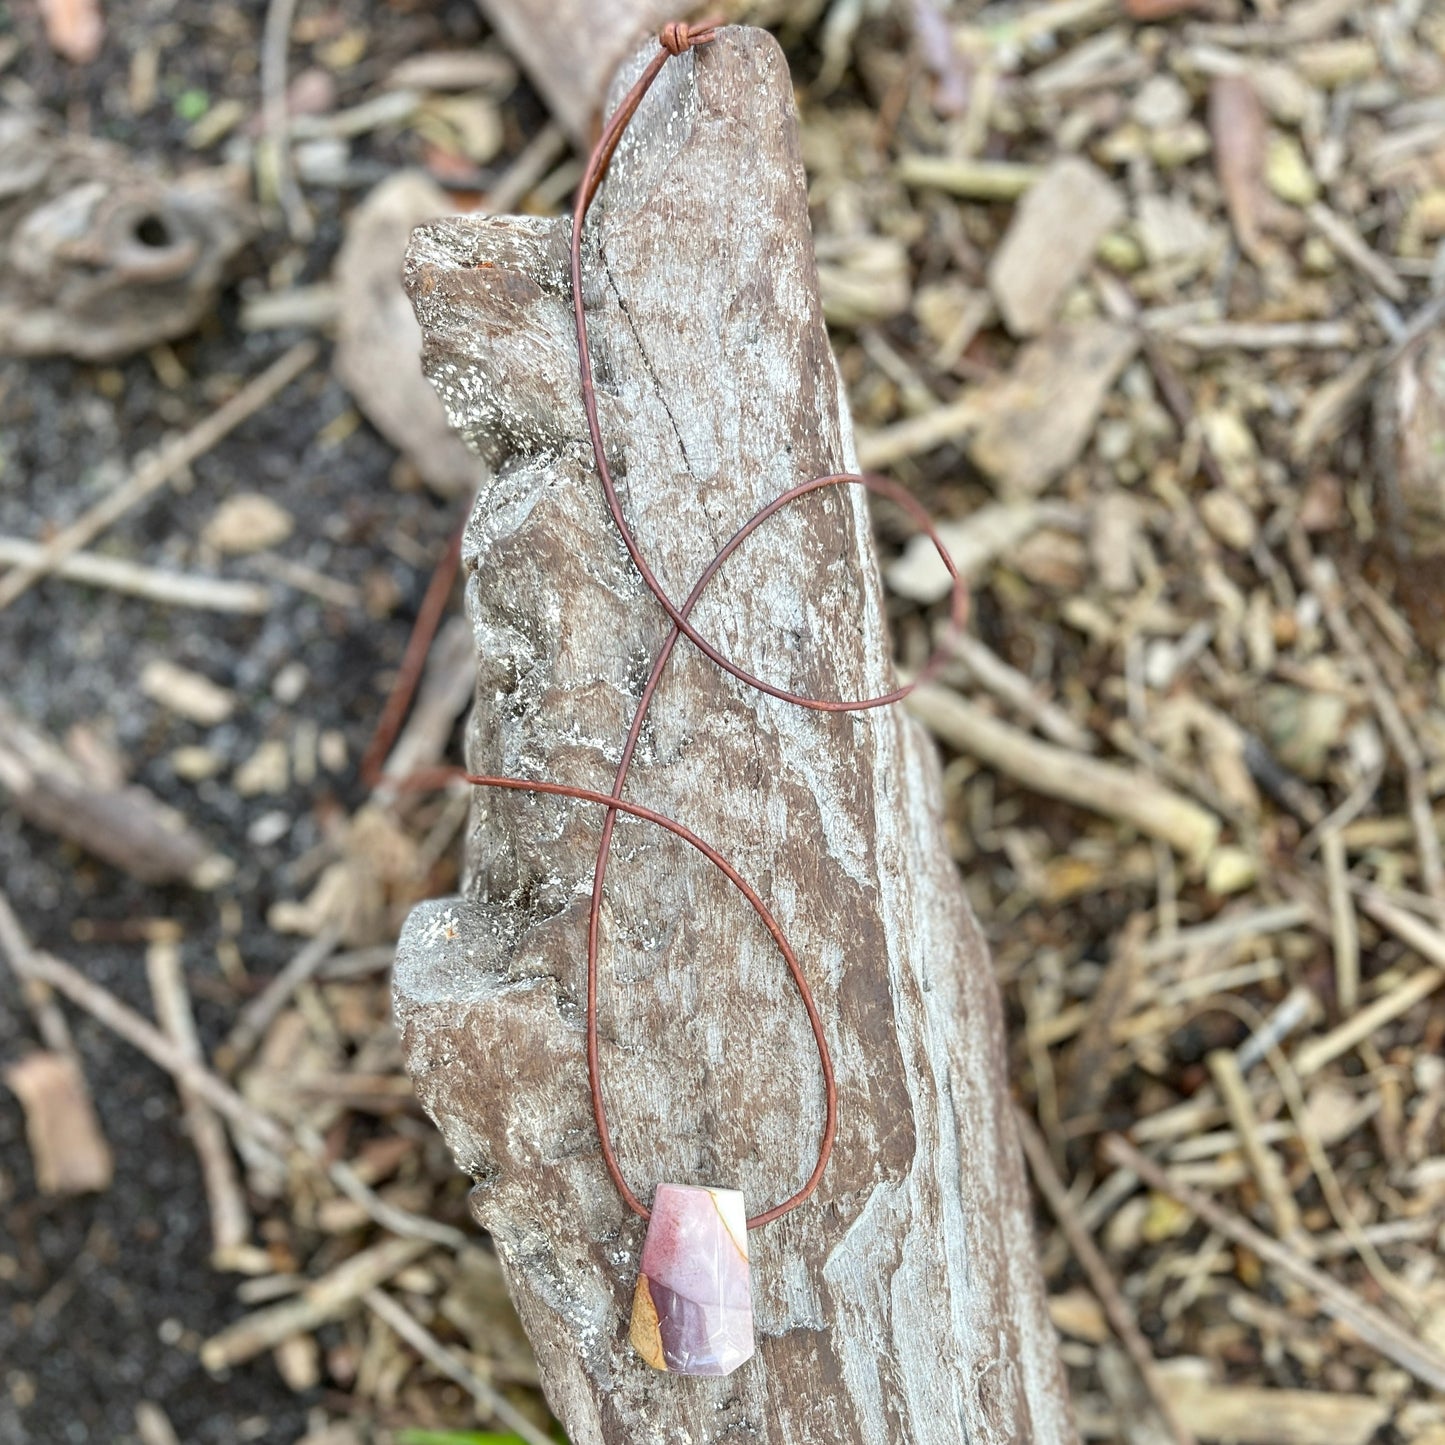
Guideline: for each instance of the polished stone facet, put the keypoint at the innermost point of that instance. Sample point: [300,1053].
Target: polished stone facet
[692,1310]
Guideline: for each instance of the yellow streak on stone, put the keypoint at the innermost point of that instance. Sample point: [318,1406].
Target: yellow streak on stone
[741,1245]
[646,1332]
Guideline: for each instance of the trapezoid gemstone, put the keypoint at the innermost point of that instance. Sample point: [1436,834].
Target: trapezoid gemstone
[692,1309]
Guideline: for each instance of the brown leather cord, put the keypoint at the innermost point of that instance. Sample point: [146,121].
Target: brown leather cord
[676,39]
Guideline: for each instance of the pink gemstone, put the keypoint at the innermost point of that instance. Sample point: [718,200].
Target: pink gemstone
[692,1310]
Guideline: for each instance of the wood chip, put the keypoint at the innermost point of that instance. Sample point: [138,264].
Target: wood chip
[1050,242]
[66,1144]
[189,694]
[1038,419]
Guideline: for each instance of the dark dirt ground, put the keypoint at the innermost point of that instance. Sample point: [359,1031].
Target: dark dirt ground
[103,1300]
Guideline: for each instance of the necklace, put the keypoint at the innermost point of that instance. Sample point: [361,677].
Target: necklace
[692,1302]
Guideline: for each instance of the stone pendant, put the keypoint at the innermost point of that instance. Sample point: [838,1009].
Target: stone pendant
[692,1310]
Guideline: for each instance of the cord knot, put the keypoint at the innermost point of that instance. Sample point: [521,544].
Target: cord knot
[677,37]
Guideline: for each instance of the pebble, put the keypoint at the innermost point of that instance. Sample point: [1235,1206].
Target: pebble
[196,764]
[247,522]
[1229,518]
[267,770]
[188,694]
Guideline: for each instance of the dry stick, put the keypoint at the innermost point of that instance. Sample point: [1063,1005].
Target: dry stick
[1319,574]
[1377,1329]
[1262,1160]
[268,1132]
[274,155]
[230,1217]
[399,1319]
[1086,782]
[1413,933]
[257,1016]
[1093,1263]
[1013,687]
[49,1020]
[1344,927]
[1348,243]
[536,158]
[325,1299]
[155,584]
[152,475]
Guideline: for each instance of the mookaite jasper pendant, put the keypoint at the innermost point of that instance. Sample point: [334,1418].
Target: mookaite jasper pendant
[692,1311]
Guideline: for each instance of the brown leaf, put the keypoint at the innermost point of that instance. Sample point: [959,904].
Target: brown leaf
[1237,126]
[74,28]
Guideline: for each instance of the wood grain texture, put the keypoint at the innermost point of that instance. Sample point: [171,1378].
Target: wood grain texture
[904,1302]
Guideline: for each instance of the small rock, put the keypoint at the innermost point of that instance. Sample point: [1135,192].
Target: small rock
[195,765]
[331,750]
[1231,870]
[1229,518]
[289,683]
[267,770]
[1161,101]
[247,522]
[1302,727]
[1233,446]
[190,694]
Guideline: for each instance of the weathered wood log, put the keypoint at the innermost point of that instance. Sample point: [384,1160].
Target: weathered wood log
[903,1303]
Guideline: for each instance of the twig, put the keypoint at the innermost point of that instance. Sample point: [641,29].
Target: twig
[1318,573]
[398,1221]
[1248,924]
[155,584]
[1263,1162]
[1343,925]
[1096,1267]
[266,1131]
[230,1217]
[257,1016]
[154,474]
[274,155]
[492,1404]
[1377,1329]
[1013,687]
[49,1020]
[1347,242]
[326,1299]
[1085,782]
[892,444]
[105,1008]
[1265,335]
[533,162]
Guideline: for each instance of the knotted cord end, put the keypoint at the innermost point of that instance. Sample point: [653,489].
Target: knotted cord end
[677,37]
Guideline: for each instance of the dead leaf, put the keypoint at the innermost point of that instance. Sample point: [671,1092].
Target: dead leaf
[1237,126]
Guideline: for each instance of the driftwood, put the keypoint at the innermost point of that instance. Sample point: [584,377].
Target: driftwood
[903,1303]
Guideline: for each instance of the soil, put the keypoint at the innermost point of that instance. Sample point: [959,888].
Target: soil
[104,1300]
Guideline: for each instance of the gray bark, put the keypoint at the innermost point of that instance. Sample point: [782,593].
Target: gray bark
[904,1302]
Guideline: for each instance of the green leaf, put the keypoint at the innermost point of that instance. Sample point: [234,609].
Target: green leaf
[191,105]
